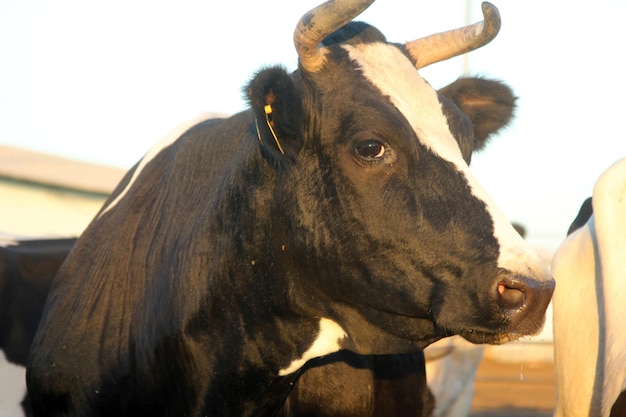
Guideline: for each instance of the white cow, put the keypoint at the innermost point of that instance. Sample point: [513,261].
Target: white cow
[590,306]
[451,366]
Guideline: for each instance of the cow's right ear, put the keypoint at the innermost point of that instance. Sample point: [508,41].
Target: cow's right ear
[277,106]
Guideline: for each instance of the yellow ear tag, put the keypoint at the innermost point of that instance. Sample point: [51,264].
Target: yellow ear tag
[268,113]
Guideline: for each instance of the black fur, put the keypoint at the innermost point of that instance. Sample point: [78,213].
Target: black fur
[585,212]
[488,104]
[27,269]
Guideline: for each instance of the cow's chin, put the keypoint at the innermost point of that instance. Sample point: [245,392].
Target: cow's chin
[375,332]
[384,332]
[480,338]
[501,336]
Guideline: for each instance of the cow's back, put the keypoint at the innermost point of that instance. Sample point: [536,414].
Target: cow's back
[113,282]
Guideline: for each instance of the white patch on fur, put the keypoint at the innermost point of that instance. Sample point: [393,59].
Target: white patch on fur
[167,140]
[327,341]
[420,105]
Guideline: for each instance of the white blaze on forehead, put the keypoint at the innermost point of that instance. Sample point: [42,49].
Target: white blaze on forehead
[392,72]
[387,68]
[167,140]
[327,341]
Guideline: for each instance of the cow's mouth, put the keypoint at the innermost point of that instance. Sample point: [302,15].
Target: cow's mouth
[492,338]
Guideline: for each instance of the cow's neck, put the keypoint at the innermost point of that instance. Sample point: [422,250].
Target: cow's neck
[270,348]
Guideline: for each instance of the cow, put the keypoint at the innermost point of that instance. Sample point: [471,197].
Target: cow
[27,267]
[319,220]
[589,318]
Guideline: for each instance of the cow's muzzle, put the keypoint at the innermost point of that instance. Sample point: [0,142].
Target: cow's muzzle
[523,301]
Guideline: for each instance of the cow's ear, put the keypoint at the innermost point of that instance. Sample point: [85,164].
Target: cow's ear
[488,104]
[277,106]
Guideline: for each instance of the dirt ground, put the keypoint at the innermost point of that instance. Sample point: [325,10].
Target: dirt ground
[513,390]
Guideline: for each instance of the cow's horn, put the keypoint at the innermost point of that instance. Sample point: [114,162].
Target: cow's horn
[445,45]
[320,22]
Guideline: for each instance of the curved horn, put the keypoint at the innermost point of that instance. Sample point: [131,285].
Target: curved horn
[445,45]
[319,22]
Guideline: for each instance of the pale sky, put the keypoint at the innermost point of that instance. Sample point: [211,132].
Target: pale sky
[103,81]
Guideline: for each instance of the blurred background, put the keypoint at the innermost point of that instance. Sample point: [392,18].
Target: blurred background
[100,82]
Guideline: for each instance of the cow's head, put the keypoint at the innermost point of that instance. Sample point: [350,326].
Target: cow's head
[373,167]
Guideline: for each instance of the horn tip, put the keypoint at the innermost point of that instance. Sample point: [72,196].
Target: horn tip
[490,11]
[492,17]
[489,6]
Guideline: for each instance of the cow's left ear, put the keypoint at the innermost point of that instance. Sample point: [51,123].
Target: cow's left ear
[277,106]
[488,104]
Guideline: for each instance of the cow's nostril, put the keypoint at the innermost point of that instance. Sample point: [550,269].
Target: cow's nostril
[510,297]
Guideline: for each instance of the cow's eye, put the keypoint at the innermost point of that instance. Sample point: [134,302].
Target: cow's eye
[370,149]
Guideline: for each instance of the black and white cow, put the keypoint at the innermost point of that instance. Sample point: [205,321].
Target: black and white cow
[321,219]
[589,314]
[27,268]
